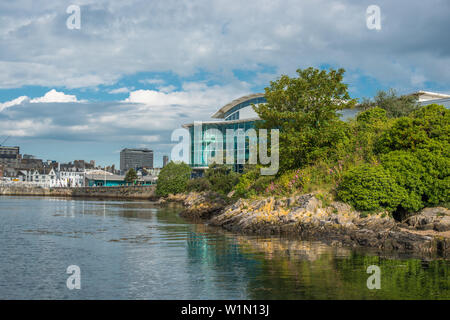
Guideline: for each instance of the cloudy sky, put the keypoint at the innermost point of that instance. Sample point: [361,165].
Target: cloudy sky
[136,70]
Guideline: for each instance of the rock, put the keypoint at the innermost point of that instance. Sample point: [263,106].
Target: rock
[203,205]
[437,218]
[231,193]
[443,224]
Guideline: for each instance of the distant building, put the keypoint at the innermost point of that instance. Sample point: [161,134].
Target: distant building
[136,159]
[43,177]
[165,160]
[425,98]
[71,178]
[9,156]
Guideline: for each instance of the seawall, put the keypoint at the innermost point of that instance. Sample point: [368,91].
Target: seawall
[121,192]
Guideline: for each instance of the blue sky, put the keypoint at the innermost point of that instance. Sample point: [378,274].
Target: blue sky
[137,70]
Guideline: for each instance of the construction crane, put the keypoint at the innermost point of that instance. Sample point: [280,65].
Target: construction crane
[4,140]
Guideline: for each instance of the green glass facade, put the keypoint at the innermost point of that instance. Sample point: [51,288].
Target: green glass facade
[203,143]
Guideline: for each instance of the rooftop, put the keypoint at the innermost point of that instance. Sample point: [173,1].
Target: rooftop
[219,114]
[427,95]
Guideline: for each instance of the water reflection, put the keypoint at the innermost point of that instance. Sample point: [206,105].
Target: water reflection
[137,250]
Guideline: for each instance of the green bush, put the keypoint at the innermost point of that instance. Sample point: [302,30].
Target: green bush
[173,179]
[198,185]
[428,128]
[370,188]
[409,173]
[436,178]
[372,117]
[244,188]
[221,178]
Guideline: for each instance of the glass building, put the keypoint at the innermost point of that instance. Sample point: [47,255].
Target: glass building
[207,135]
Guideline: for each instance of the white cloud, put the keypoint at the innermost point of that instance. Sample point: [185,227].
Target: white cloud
[118,39]
[13,102]
[146,116]
[151,81]
[119,90]
[52,96]
[55,96]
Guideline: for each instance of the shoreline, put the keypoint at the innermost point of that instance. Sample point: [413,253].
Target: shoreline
[307,218]
[303,216]
[120,192]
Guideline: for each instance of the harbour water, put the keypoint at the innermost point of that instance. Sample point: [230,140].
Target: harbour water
[138,250]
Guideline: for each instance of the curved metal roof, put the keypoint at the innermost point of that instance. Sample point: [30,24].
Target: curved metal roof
[219,114]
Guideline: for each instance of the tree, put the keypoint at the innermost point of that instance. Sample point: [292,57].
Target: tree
[173,179]
[305,110]
[131,176]
[395,106]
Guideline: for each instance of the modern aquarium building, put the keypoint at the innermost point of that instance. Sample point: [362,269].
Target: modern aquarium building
[238,114]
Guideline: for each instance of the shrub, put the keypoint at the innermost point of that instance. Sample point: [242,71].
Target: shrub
[372,117]
[290,181]
[409,173]
[221,178]
[173,179]
[244,188]
[370,188]
[436,178]
[252,183]
[198,185]
[427,128]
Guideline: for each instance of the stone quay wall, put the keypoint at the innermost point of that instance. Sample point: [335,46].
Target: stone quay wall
[120,192]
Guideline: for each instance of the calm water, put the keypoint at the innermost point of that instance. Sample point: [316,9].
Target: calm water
[136,250]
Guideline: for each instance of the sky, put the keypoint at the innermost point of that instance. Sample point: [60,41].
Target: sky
[136,70]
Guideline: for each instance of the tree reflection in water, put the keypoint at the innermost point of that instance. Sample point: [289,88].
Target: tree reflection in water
[276,268]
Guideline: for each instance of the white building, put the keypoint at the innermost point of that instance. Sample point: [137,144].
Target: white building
[425,98]
[45,177]
[71,178]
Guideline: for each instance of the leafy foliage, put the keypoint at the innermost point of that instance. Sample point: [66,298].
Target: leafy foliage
[370,188]
[436,178]
[173,179]
[251,183]
[198,185]
[221,178]
[424,175]
[305,110]
[408,172]
[427,128]
[394,105]
[131,176]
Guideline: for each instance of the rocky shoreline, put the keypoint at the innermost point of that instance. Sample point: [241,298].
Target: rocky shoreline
[335,223]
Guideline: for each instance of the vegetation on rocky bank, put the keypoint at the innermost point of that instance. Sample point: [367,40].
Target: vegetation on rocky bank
[375,180]
[308,217]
